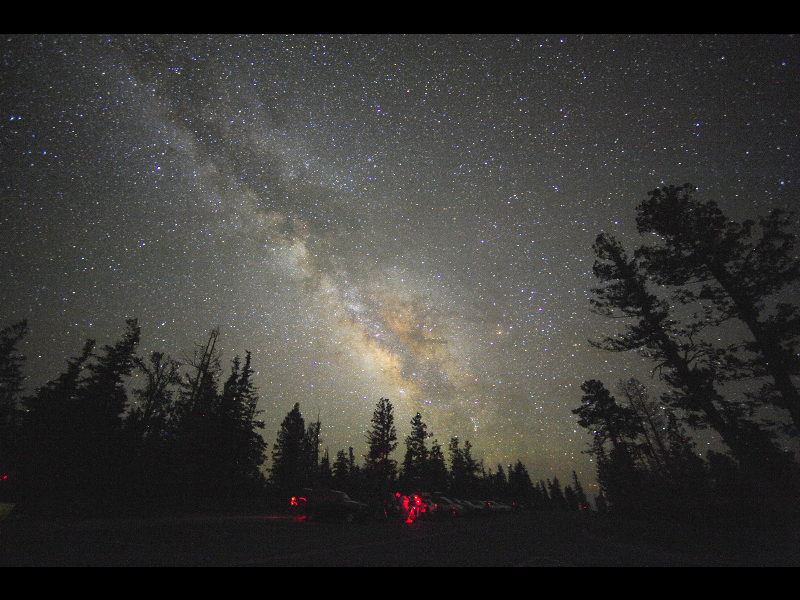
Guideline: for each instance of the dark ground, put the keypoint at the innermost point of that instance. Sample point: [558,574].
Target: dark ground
[523,539]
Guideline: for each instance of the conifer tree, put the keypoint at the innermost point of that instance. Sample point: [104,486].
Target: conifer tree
[686,363]
[148,431]
[571,499]
[241,449]
[520,487]
[201,383]
[605,418]
[456,459]
[103,391]
[155,401]
[53,443]
[727,264]
[500,483]
[458,467]
[325,471]
[471,467]
[193,431]
[544,495]
[651,420]
[617,471]
[289,456]
[381,442]
[248,393]
[351,461]
[665,450]
[415,463]
[73,430]
[311,446]
[437,469]
[557,499]
[103,401]
[11,378]
[463,468]
[341,470]
[583,502]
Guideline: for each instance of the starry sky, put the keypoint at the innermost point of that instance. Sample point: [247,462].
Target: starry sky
[401,216]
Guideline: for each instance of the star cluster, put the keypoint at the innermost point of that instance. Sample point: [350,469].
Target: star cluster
[401,216]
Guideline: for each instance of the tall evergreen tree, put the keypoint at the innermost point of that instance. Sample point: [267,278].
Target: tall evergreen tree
[520,487]
[74,443]
[500,483]
[471,466]
[325,470]
[341,470]
[463,468]
[11,378]
[154,402]
[557,499]
[665,449]
[103,402]
[456,459]
[720,261]
[147,427]
[571,499]
[617,471]
[543,495]
[583,502]
[605,418]
[103,391]
[53,439]
[651,420]
[289,456]
[311,448]
[415,463]
[685,362]
[351,461]
[242,449]
[381,442]
[247,391]
[437,469]
[192,430]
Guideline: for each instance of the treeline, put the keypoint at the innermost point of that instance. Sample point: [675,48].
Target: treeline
[706,302]
[186,436]
[298,462]
[188,441]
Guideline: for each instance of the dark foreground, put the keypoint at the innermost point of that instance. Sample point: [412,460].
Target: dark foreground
[509,540]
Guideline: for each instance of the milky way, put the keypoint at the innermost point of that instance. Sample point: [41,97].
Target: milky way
[407,217]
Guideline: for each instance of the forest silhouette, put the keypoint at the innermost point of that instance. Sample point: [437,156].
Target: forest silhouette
[190,439]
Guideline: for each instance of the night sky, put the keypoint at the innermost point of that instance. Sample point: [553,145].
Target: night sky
[401,216]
